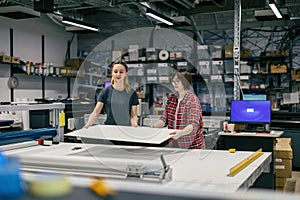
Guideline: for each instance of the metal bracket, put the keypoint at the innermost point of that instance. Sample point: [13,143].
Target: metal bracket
[139,171]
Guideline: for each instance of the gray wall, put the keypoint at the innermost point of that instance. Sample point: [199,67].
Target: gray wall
[27,44]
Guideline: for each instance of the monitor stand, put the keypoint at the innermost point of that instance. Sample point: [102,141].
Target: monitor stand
[257,127]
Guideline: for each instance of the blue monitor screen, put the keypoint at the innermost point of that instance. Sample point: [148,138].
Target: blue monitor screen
[254,97]
[250,111]
[107,83]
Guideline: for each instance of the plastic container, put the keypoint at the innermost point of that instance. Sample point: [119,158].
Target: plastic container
[11,184]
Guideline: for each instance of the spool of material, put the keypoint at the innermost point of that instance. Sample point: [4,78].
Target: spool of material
[25,115]
[71,124]
[163,55]
[25,120]
[50,186]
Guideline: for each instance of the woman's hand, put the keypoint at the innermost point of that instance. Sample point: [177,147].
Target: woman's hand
[158,124]
[134,122]
[176,134]
[85,126]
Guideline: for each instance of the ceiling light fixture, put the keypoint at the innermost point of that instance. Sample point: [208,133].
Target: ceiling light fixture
[275,9]
[159,17]
[18,12]
[80,24]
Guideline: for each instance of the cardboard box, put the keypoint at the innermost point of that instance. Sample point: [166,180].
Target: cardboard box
[215,51]
[246,53]
[290,185]
[15,60]
[69,71]
[295,76]
[216,78]
[203,51]
[279,188]
[164,79]
[133,51]
[280,181]
[151,53]
[278,68]
[151,72]
[217,67]
[283,167]
[163,69]
[284,140]
[283,150]
[245,68]
[5,59]
[141,95]
[283,158]
[297,185]
[176,55]
[228,66]
[74,62]
[204,67]
[228,51]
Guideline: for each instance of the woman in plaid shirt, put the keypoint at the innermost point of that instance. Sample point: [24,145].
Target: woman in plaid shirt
[183,113]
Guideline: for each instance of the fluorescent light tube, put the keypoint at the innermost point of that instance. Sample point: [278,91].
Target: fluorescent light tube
[79,24]
[275,10]
[159,17]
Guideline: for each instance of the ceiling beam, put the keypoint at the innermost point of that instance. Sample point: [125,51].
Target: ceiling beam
[248,25]
[229,6]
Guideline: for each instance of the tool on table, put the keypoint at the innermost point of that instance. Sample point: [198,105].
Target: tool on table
[244,163]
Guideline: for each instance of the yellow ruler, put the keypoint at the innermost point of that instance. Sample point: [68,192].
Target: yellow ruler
[244,163]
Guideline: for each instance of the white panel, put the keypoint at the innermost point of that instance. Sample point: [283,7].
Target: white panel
[125,133]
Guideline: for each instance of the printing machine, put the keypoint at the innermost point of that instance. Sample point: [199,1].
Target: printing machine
[134,168]
[131,170]
[16,122]
[10,120]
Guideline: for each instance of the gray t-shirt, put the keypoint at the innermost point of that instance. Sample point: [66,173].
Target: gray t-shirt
[118,105]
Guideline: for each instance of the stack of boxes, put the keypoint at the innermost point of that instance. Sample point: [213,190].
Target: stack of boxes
[9,59]
[74,67]
[283,162]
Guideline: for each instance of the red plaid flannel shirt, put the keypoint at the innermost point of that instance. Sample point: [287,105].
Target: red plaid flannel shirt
[189,112]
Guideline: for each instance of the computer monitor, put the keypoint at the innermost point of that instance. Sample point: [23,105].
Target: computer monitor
[254,97]
[250,111]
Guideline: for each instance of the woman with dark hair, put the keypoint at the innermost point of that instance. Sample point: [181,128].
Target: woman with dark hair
[183,113]
[119,100]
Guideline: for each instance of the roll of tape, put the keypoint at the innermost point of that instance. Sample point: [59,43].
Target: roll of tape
[163,55]
[50,186]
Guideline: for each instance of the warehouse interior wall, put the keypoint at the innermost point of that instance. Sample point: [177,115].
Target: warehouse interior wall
[27,44]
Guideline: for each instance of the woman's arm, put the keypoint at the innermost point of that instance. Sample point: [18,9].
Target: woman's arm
[94,115]
[134,118]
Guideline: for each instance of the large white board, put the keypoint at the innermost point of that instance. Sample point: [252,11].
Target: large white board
[124,133]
